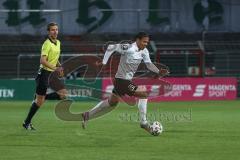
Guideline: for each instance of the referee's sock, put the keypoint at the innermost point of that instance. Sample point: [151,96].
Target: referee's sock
[52,96]
[33,109]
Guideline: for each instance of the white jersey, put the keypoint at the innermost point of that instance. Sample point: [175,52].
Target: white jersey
[131,57]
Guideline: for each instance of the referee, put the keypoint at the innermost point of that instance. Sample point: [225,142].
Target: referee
[48,63]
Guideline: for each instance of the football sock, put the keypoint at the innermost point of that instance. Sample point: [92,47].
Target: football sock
[100,109]
[142,106]
[33,109]
[53,96]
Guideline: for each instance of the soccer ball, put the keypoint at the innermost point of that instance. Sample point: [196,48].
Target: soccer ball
[156,128]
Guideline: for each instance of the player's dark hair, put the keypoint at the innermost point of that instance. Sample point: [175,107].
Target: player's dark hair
[50,25]
[140,35]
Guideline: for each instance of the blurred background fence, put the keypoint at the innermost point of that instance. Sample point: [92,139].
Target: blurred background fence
[208,57]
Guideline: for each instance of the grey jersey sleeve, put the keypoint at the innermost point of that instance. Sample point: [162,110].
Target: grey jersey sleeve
[148,62]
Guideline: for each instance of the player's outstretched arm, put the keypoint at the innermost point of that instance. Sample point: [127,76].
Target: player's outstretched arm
[152,68]
[110,50]
[159,72]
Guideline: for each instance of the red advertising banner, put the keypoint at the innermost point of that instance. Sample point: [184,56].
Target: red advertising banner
[186,89]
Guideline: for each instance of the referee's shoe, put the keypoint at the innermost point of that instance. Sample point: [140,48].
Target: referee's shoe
[28,126]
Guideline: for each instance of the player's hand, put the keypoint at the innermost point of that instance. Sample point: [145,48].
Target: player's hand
[163,72]
[60,71]
[99,63]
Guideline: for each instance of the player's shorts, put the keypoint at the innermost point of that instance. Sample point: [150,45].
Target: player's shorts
[42,81]
[122,87]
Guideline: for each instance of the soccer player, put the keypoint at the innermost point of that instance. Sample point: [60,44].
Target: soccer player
[131,57]
[48,63]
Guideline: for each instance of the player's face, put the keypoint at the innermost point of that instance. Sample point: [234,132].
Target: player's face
[143,42]
[53,32]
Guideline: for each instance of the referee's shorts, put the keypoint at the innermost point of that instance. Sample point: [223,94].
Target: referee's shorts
[46,79]
[42,81]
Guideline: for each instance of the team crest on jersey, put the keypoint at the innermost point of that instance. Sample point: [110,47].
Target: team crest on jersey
[124,47]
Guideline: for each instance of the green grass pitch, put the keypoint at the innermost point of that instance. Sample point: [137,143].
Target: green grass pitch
[193,130]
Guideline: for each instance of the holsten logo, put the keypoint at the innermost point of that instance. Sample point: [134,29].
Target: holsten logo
[199,90]
[80,92]
[6,93]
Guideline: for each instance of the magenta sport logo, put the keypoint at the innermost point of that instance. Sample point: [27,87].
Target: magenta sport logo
[90,72]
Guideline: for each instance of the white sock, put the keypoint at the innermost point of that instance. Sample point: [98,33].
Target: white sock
[100,109]
[142,106]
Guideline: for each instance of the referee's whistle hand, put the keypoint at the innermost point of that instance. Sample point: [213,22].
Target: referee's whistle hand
[60,71]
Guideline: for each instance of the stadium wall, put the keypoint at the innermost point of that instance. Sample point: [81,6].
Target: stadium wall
[82,16]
